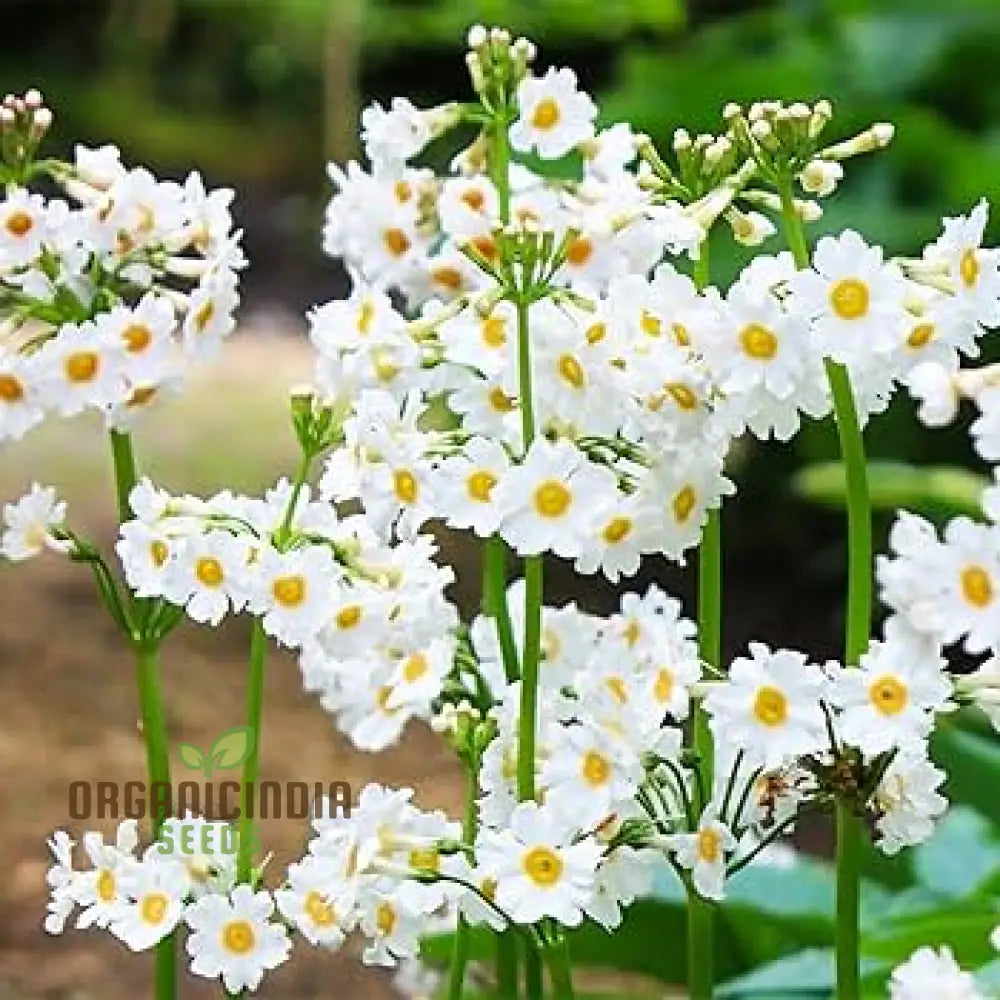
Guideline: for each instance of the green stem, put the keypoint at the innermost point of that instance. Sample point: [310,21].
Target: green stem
[251,766]
[528,719]
[154,724]
[560,969]
[495,602]
[700,931]
[507,965]
[463,941]
[700,915]
[534,988]
[858,624]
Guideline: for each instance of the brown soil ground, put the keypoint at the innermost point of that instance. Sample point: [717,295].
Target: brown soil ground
[68,705]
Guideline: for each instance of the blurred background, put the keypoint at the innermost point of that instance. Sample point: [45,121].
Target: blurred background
[258,95]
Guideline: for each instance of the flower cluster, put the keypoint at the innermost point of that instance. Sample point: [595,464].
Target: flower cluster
[108,297]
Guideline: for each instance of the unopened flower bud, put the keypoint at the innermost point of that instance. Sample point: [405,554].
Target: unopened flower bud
[476,37]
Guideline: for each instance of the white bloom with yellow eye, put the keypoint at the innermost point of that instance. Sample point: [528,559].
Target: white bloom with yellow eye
[466,486]
[554,115]
[291,591]
[100,891]
[29,523]
[83,368]
[820,177]
[974,271]
[590,776]
[420,675]
[968,586]
[486,343]
[540,871]
[547,499]
[394,135]
[888,702]
[23,228]
[399,490]
[704,854]
[145,335]
[145,553]
[209,575]
[235,938]
[209,318]
[930,974]
[392,928]
[468,206]
[769,706]
[367,317]
[853,298]
[318,900]
[22,398]
[156,890]
[620,532]
[487,407]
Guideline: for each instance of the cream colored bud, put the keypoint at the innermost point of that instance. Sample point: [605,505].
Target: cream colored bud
[883,133]
[476,37]
[820,177]
[33,99]
[761,130]
[730,111]
[682,139]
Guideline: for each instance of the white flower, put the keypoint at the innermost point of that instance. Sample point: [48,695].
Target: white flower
[209,317]
[235,939]
[820,177]
[394,136]
[318,900]
[932,975]
[554,115]
[21,394]
[547,499]
[83,367]
[908,801]
[392,928]
[22,228]
[209,575]
[704,853]
[29,524]
[466,486]
[100,893]
[145,553]
[769,706]
[888,701]
[156,891]
[934,387]
[292,591]
[539,870]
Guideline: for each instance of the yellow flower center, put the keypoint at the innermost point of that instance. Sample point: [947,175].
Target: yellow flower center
[448,278]
[319,911]
[920,335]
[596,769]
[158,552]
[683,503]
[154,907]
[107,888]
[849,298]
[977,586]
[82,366]
[709,846]
[11,389]
[758,342]
[617,530]
[19,223]
[385,918]
[474,198]
[209,571]
[404,484]
[349,617]
[403,191]
[494,331]
[968,268]
[366,316]
[681,334]
[617,688]
[137,338]
[480,485]
[396,242]
[596,333]
[546,114]
[204,316]
[500,401]
[650,324]
[682,395]
[633,632]
[141,396]
[415,668]
[289,591]
[382,696]
[571,371]
[543,866]
[888,694]
[238,937]
[579,251]
[552,499]
[770,707]
[663,686]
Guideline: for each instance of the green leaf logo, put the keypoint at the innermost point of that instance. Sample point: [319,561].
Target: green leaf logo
[233,747]
[193,758]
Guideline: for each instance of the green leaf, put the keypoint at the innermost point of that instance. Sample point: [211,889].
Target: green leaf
[972,761]
[941,491]
[191,756]
[963,927]
[807,973]
[233,747]
[960,856]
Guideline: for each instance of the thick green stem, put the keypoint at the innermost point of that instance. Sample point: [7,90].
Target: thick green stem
[251,766]
[463,941]
[154,724]
[700,931]
[858,624]
[495,602]
[699,913]
[534,988]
